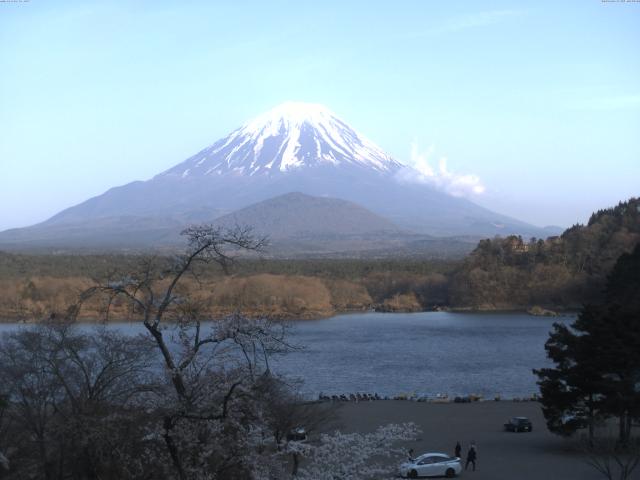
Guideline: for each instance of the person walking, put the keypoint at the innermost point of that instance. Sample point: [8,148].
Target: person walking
[458,450]
[472,455]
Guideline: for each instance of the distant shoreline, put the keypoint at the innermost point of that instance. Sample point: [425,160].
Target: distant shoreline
[560,313]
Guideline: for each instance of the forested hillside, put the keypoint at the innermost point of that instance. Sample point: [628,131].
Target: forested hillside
[32,285]
[501,273]
[559,272]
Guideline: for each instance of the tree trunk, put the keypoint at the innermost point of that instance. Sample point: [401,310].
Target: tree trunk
[591,420]
[296,464]
[173,450]
[623,423]
[176,378]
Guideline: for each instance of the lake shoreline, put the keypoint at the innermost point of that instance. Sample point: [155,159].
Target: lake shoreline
[306,316]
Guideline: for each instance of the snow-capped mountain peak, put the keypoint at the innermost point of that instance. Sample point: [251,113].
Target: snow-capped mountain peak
[291,114]
[287,138]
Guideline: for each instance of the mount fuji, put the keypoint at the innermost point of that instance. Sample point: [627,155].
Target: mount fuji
[296,147]
[290,137]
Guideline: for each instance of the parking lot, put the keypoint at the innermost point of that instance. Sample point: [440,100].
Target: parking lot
[501,455]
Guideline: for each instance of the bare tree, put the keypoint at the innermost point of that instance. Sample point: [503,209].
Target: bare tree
[71,397]
[212,409]
[611,458]
[187,399]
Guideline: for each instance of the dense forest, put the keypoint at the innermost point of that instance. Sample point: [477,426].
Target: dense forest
[559,272]
[501,273]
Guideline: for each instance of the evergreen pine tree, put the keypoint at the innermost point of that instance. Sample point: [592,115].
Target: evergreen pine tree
[597,359]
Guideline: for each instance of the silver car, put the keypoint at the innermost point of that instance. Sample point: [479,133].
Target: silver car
[431,465]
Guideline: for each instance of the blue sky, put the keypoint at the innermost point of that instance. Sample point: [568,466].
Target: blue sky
[538,101]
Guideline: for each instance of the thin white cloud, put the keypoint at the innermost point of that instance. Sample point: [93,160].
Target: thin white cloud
[421,171]
[480,19]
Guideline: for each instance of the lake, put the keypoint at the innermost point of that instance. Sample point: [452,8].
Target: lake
[423,353]
[426,353]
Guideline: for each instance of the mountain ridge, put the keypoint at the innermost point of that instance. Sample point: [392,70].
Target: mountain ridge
[298,215]
[293,148]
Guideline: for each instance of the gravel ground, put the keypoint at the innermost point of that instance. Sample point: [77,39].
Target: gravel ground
[501,455]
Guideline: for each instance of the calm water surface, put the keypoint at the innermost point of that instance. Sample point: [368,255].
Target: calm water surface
[424,353]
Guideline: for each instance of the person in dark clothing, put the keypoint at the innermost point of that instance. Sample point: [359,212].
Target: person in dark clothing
[410,455]
[471,457]
[458,450]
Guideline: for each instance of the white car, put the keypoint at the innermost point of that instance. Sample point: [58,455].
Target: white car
[431,465]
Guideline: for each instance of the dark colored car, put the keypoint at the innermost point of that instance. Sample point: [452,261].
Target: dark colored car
[518,424]
[297,435]
[576,420]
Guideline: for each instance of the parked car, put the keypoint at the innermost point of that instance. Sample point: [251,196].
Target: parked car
[431,465]
[297,435]
[518,424]
[576,418]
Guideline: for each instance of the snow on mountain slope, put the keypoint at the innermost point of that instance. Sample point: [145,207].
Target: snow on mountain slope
[295,147]
[290,136]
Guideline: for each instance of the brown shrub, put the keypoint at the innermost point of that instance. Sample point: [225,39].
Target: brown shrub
[38,296]
[279,295]
[347,295]
[402,303]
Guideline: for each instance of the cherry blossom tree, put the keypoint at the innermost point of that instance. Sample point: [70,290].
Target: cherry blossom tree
[354,456]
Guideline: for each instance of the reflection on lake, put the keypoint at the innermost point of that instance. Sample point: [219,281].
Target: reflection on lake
[426,353]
